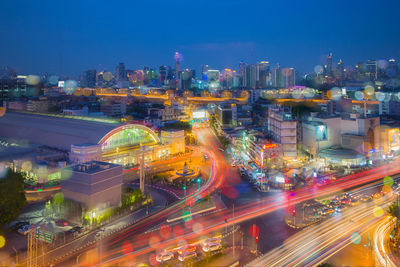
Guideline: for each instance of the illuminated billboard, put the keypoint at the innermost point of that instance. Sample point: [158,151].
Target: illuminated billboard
[199,114]
[393,137]
[321,133]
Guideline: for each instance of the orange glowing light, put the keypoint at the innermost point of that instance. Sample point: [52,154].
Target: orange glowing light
[267,146]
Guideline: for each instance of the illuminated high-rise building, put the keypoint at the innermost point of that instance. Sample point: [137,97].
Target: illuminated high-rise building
[162,74]
[204,69]
[177,62]
[328,67]
[120,72]
[89,78]
[371,70]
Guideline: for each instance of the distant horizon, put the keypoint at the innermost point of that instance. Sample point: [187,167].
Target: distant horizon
[197,69]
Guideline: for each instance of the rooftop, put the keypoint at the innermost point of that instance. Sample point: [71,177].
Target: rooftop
[93,167]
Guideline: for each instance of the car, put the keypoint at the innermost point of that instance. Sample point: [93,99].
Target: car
[339,208]
[365,198]
[187,248]
[377,195]
[24,230]
[327,211]
[75,230]
[164,256]
[354,202]
[212,247]
[99,233]
[62,222]
[345,201]
[18,225]
[212,240]
[187,255]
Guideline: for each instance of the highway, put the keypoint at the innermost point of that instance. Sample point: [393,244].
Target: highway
[317,243]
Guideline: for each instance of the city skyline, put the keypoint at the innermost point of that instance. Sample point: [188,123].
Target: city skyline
[68,41]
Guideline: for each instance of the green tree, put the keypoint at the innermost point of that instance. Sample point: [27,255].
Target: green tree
[12,197]
[394,211]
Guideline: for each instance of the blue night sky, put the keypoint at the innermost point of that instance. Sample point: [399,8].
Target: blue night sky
[71,36]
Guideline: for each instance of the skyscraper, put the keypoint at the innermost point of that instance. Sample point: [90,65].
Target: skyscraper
[89,78]
[371,70]
[339,70]
[204,69]
[328,67]
[120,72]
[163,74]
[177,62]
[289,77]
[283,77]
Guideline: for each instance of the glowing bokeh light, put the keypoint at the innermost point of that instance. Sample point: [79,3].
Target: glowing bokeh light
[335,93]
[32,79]
[369,90]
[380,96]
[26,166]
[359,95]
[165,231]
[2,241]
[70,86]
[197,227]
[388,181]
[107,76]
[318,69]
[355,238]
[378,211]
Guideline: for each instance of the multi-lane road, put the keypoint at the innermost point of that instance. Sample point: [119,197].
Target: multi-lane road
[133,243]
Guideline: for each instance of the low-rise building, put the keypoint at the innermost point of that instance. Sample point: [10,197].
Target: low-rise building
[94,184]
[282,127]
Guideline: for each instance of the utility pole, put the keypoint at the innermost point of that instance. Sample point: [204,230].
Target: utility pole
[32,248]
[241,237]
[233,231]
[141,170]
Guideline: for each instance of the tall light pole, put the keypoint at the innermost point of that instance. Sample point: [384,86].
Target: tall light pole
[233,230]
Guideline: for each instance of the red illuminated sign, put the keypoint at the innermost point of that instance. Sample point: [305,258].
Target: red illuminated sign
[267,146]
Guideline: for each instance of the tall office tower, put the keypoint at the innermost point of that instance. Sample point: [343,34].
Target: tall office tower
[392,68]
[213,79]
[288,77]
[170,74]
[152,76]
[250,75]
[162,74]
[328,67]
[204,69]
[185,80]
[242,66]
[227,78]
[339,70]
[177,62]
[262,71]
[120,72]
[276,76]
[89,78]
[371,70]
